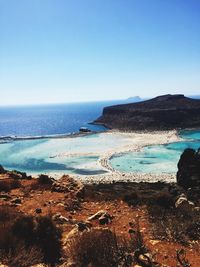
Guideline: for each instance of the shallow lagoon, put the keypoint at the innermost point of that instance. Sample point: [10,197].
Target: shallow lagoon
[80,155]
[156,158]
[77,155]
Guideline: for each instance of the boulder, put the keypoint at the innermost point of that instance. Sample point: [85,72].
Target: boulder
[184,204]
[188,175]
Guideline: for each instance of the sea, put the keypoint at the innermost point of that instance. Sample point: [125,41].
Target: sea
[55,119]
[79,155]
[22,121]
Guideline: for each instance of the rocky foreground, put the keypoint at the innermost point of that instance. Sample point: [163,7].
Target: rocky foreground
[67,223]
[161,113]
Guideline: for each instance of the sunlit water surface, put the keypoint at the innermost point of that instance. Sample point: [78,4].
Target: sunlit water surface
[77,155]
[157,158]
[80,155]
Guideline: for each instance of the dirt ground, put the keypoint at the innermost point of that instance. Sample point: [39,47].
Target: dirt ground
[36,199]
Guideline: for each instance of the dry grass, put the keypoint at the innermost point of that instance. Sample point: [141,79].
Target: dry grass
[22,256]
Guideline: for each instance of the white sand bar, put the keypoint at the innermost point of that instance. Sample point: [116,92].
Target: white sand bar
[115,142]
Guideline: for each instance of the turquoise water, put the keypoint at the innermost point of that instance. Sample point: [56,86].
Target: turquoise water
[190,134]
[80,155]
[60,155]
[158,158]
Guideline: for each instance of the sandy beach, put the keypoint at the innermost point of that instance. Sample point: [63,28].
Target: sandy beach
[133,141]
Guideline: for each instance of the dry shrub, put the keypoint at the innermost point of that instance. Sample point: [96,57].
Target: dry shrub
[102,248]
[181,258]
[99,248]
[23,256]
[164,199]
[72,204]
[22,236]
[7,214]
[132,199]
[23,229]
[48,238]
[174,225]
[45,179]
[9,184]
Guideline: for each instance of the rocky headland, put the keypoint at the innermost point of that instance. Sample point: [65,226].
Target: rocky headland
[161,113]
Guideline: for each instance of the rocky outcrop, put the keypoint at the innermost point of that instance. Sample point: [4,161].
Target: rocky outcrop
[67,184]
[188,175]
[160,113]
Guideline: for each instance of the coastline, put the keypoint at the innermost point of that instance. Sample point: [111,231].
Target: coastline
[135,142]
[51,136]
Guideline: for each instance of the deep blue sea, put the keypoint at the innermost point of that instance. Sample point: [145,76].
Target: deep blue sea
[50,119]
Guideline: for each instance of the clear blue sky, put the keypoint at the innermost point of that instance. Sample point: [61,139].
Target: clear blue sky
[82,50]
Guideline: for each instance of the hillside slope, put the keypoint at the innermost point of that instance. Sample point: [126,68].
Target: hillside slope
[160,113]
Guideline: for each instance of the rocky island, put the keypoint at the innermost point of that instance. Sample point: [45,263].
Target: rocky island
[160,113]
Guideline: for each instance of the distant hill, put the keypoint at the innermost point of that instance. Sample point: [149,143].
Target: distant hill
[160,113]
[133,99]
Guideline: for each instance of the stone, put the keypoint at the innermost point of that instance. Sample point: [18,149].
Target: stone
[105,219]
[154,242]
[97,215]
[67,184]
[59,219]
[38,210]
[83,226]
[184,204]
[60,204]
[16,200]
[5,196]
[146,259]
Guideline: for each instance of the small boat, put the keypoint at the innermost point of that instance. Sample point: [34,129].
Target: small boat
[84,130]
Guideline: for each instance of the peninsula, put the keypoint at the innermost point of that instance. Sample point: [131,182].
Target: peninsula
[164,112]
